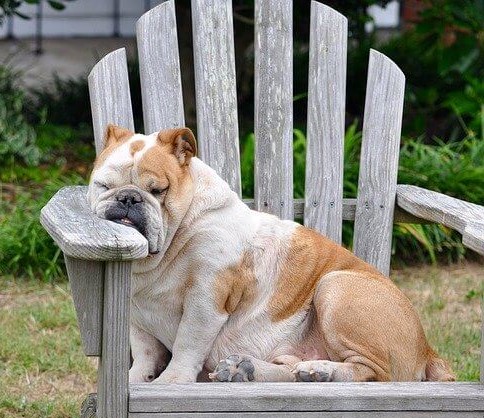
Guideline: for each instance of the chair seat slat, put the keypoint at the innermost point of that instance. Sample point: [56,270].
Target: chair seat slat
[326,113]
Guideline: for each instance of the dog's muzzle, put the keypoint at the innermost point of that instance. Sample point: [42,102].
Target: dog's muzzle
[127,210]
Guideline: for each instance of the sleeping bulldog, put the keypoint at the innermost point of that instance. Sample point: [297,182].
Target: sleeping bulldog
[241,295]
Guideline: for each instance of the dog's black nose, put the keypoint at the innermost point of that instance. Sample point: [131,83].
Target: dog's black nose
[129,197]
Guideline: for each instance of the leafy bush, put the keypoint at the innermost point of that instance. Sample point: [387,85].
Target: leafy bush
[73,94]
[454,168]
[25,248]
[17,135]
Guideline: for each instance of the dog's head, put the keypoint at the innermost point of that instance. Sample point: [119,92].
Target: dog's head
[143,181]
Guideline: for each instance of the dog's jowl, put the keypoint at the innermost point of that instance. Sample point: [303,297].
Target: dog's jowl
[238,295]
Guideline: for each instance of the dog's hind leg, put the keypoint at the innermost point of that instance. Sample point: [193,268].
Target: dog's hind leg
[244,368]
[369,330]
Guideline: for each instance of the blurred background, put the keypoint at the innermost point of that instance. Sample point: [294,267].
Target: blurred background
[48,47]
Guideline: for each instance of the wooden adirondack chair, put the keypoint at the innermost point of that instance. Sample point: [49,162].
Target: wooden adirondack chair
[99,253]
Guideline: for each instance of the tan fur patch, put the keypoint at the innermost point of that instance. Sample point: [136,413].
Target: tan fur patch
[136,146]
[158,167]
[235,286]
[186,286]
[114,137]
[310,256]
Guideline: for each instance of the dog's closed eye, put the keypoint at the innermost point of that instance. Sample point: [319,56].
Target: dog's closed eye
[157,192]
[101,185]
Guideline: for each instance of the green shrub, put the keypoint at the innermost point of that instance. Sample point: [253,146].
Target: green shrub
[17,136]
[25,248]
[73,94]
[455,169]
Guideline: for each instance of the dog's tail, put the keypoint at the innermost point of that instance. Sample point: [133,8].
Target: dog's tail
[437,369]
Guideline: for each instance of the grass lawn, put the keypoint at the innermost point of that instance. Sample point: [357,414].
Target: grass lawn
[43,372]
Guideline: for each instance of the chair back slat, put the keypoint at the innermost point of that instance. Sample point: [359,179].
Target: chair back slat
[323,208]
[110,103]
[216,95]
[159,65]
[110,96]
[379,162]
[273,107]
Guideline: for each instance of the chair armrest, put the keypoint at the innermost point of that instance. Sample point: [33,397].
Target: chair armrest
[466,218]
[79,233]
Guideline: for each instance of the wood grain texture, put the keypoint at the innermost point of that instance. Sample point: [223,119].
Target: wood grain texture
[473,236]
[273,107]
[465,217]
[86,278]
[326,121]
[373,414]
[379,162]
[215,89]
[348,212]
[292,397]
[81,234]
[159,65]
[112,399]
[110,96]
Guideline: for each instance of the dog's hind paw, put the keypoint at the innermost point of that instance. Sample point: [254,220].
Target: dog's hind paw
[235,368]
[314,371]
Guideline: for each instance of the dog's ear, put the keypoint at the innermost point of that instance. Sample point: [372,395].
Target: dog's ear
[182,142]
[115,134]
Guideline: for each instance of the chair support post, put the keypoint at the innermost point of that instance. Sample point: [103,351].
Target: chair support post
[481,379]
[112,401]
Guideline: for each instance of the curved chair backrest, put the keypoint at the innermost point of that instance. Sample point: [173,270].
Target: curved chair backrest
[217,127]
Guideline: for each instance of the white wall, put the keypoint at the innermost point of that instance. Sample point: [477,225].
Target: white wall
[388,17]
[80,18]
[95,18]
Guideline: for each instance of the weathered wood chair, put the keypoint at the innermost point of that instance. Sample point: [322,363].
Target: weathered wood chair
[99,253]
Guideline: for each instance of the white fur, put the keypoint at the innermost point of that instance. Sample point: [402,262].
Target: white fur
[213,234]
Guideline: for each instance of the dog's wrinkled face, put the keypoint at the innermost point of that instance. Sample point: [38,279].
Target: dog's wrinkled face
[143,181]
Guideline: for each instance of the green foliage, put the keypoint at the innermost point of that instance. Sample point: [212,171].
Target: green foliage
[73,94]
[64,102]
[40,352]
[17,135]
[454,168]
[443,60]
[10,7]
[247,152]
[25,248]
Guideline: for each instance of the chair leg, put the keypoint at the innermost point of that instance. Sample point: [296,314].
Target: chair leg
[112,399]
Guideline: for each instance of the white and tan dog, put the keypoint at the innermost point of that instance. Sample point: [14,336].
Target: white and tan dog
[243,294]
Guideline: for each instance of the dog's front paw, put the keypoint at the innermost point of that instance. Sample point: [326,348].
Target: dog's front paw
[235,368]
[176,376]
